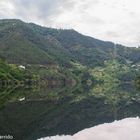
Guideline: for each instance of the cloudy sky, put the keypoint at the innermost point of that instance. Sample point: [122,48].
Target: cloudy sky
[113,20]
[126,129]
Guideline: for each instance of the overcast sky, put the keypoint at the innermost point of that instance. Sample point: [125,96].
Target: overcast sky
[112,20]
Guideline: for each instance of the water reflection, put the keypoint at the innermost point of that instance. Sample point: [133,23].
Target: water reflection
[30,113]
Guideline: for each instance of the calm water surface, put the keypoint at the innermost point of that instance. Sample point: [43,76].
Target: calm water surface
[29,113]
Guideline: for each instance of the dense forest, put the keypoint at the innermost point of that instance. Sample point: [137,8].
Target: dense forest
[62,55]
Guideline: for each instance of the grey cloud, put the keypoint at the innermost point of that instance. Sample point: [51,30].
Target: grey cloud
[38,8]
[31,10]
[112,34]
[110,20]
[69,4]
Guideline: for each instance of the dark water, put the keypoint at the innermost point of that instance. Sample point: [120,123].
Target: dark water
[29,113]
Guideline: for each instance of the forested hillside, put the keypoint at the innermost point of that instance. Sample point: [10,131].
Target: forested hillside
[11,72]
[62,54]
[27,43]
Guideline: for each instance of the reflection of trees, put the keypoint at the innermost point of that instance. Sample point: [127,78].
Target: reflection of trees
[51,111]
[6,93]
[33,93]
[115,95]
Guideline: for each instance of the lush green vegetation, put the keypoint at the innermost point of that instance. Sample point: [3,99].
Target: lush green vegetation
[62,55]
[27,43]
[10,72]
[113,71]
[15,74]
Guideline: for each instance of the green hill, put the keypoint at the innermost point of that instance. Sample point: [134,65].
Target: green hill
[8,72]
[59,54]
[28,43]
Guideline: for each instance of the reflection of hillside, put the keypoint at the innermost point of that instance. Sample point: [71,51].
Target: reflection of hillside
[6,94]
[52,111]
[32,93]
[115,92]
